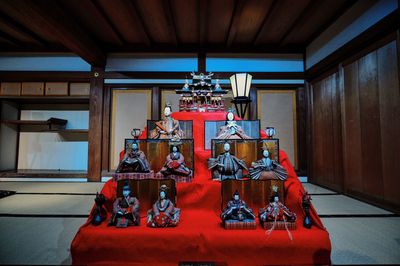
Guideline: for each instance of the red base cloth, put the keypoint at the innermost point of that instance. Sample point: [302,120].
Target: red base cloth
[200,235]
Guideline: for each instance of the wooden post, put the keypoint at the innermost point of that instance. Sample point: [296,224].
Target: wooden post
[201,62]
[106,129]
[253,104]
[156,103]
[301,111]
[309,129]
[95,124]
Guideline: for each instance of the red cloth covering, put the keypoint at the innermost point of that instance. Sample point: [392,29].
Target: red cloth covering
[200,235]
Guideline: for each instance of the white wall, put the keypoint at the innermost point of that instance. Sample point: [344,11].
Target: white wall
[49,150]
[130,109]
[278,109]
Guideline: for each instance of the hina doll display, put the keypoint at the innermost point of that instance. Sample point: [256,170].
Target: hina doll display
[134,161]
[226,165]
[237,209]
[306,204]
[125,209]
[163,213]
[231,130]
[168,128]
[276,215]
[237,215]
[100,213]
[175,164]
[266,168]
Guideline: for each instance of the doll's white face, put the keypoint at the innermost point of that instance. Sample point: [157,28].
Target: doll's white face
[174,149]
[135,146]
[126,191]
[265,153]
[230,116]
[227,147]
[167,111]
[162,195]
[236,197]
[276,199]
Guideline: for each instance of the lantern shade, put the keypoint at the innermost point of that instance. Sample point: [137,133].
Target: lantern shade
[241,83]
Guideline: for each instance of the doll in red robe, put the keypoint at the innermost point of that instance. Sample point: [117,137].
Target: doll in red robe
[275,212]
[175,164]
[163,213]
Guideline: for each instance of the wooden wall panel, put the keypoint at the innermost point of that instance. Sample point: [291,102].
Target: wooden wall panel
[328,148]
[369,120]
[336,134]
[355,128]
[316,133]
[352,130]
[326,133]
[389,105]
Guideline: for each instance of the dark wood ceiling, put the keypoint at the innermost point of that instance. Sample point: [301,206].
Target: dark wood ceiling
[93,28]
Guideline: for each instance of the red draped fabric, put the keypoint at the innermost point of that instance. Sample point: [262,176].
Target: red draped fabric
[200,235]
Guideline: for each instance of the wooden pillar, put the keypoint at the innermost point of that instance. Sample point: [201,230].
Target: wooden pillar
[95,124]
[156,103]
[9,135]
[301,111]
[342,158]
[201,62]
[253,104]
[309,130]
[106,129]
[398,48]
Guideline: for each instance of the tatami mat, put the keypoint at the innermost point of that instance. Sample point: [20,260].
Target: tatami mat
[46,240]
[364,241]
[47,204]
[343,205]
[52,187]
[37,241]
[314,189]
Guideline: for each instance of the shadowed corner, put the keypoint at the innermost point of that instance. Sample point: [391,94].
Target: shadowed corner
[6,193]
[320,255]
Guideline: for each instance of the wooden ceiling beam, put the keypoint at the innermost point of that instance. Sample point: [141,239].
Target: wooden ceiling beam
[14,26]
[169,15]
[306,12]
[34,48]
[97,8]
[132,5]
[48,15]
[9,39]
[263,25]
[209,48]
[235,21]
[184,75]
[203,21]
[347,5]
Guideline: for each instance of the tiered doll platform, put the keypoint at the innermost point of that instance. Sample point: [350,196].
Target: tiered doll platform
[200,235]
